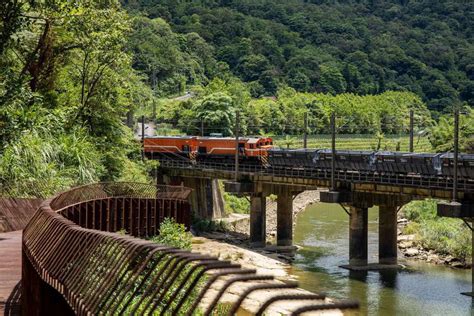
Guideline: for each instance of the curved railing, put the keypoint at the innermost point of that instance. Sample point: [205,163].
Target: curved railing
[134,208]
[71,269]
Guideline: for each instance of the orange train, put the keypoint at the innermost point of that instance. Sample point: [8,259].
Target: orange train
[200,148]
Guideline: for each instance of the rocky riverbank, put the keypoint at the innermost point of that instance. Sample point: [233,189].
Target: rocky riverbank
[412,249]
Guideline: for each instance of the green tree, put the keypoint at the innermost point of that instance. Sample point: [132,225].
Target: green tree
[442,134]
[217,111]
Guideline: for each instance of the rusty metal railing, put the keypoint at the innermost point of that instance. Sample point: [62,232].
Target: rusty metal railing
[135,208]
[69,269]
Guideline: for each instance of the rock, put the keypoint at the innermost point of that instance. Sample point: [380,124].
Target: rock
[412,252]
[402,221]
[449,259]
[406,237]
[406,244]
[432,258]
[457,264]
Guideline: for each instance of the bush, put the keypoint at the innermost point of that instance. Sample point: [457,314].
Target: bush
[412,228]
[234,204]
[419,211]
[206,225]
[173,234]
[445,236]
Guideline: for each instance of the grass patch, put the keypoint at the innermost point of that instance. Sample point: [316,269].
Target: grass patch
[173,234]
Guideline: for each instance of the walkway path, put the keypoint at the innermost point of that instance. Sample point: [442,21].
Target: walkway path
[10,271]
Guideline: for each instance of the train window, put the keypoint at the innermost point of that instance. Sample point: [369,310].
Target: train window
[186,148]
[251,146]
[202,150]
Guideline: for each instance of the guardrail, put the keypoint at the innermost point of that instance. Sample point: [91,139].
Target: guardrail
[70,269]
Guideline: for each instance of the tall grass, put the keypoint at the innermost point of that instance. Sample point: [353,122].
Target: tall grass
[43,164]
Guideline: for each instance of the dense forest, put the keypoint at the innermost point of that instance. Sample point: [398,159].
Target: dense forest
[74,76]
[361,47]
[66,83]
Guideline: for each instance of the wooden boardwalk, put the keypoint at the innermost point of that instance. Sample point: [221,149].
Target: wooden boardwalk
[10,272]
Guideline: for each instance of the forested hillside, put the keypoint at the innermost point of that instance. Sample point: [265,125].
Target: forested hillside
[362,47]
[66,84]
[73,73]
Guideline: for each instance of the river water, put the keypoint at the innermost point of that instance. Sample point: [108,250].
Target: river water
[322,230]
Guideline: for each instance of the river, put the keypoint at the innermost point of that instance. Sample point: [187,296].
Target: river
[322,231]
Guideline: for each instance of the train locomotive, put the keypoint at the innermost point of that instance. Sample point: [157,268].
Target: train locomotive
[252,150]
[261,152]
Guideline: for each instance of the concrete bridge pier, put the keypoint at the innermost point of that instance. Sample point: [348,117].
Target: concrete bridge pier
[285,218]
[358,235]
[258,219]
[388,248]
[206,198]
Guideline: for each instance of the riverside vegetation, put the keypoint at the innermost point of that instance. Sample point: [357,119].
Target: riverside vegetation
[75,74]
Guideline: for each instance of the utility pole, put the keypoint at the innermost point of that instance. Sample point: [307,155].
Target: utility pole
[143,137]
[456,153]
[237,128]
[333,147]
[154,83]
[412,132]
[305,139]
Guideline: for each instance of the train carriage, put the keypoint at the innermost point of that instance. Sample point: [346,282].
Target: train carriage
[291,158]
[465,165]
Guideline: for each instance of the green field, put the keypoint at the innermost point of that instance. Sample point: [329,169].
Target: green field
[356,142]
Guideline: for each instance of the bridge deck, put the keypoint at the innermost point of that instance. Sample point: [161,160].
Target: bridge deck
[10,272]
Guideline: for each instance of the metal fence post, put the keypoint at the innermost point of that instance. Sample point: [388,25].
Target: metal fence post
[333,147]
[412,132]
[143,137]
[456,153]
[237,128]
[305,137]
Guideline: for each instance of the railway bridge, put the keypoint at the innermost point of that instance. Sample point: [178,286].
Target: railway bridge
[356,191]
